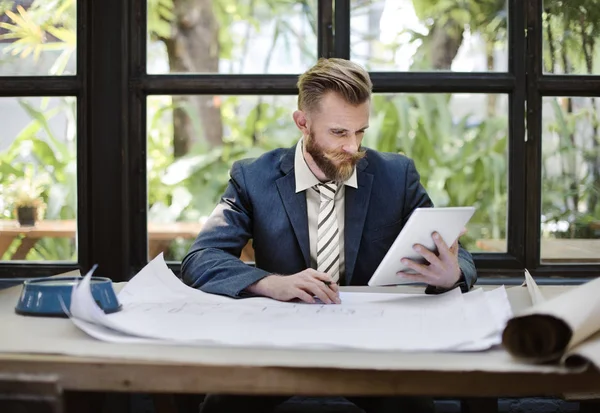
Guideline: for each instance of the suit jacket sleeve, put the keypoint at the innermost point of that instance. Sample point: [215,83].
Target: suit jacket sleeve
[416,197]
[212,264]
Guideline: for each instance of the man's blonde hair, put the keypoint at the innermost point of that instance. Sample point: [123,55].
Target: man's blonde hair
[344,77]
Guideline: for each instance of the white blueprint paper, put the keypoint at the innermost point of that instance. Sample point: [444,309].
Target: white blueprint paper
[158,307]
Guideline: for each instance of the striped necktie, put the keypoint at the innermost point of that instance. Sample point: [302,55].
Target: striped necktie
[328,253]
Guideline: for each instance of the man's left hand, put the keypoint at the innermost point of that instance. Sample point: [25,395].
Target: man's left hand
[442,269]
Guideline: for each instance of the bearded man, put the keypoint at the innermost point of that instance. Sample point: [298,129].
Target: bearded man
[321,214]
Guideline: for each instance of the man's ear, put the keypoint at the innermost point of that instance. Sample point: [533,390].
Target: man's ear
[301,121]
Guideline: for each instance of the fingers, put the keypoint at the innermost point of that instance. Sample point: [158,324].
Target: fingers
[454,248]
[316,290]
[442,269]
[442,247]
[413,277]
[325,286]
[304,296]
[310,283]
[317,274]
[425,253]
[331,293]
[325,283]
[423,270]
[423,279]
[430,256]
[428,278]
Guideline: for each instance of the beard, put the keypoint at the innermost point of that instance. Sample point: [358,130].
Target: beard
[337,166]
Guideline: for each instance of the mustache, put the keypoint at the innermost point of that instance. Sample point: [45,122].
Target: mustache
[354,157]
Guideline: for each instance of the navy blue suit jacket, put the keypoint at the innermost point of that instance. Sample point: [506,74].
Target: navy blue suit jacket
[260,203]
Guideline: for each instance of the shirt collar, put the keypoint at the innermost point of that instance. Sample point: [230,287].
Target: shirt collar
[304,176]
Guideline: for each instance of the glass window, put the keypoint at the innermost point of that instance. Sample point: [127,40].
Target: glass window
[190,152]
[231,37]
[458,142]
[570,180]
[571,31]
[37,38]
[38,179]
[422,35]
[459,145]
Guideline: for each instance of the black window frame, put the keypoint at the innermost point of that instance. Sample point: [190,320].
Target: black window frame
[112,85]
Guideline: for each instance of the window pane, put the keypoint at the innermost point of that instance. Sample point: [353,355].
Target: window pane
[458,142]
[571,32]
[459,145]
[570,180]
[419,35]
[190,152]
[234,37]
[37,38]
[38,179]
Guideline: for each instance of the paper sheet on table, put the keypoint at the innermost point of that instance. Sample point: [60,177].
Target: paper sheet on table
[158,307]
[565,328]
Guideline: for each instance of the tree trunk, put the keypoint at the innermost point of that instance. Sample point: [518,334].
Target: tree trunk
[444,43]
[492,99]
[194,47]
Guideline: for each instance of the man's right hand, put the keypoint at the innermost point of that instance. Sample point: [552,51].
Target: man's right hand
[304,285]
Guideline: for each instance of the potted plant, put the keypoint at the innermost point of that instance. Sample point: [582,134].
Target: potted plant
[25,195]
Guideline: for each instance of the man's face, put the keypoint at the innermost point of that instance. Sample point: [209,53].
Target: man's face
[335,133]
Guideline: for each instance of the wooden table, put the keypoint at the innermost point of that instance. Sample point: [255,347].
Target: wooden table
[160,235]
[555,250]
[106,367]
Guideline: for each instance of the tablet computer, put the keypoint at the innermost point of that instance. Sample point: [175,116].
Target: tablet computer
[447,221]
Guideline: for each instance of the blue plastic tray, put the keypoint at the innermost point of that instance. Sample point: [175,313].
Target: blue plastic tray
[42,296]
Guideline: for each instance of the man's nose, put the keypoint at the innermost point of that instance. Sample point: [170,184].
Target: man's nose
[350,147]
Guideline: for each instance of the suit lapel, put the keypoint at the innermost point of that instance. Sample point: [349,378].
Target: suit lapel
[356,205]
[294,204]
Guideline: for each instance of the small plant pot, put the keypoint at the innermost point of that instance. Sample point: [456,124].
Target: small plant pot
[26,216]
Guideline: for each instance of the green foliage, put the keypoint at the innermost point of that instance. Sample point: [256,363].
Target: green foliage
[253,15]
[160,18]
[460,163]
[47,25]
[37,148]
[486,16]
[25,191]
[489,18]
[571,33]
[188,188]
[571,30]
[200,176]
[568,173]
[257,14]
[37,145]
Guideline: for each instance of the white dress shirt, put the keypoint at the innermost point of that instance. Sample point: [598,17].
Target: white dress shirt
[305,180]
